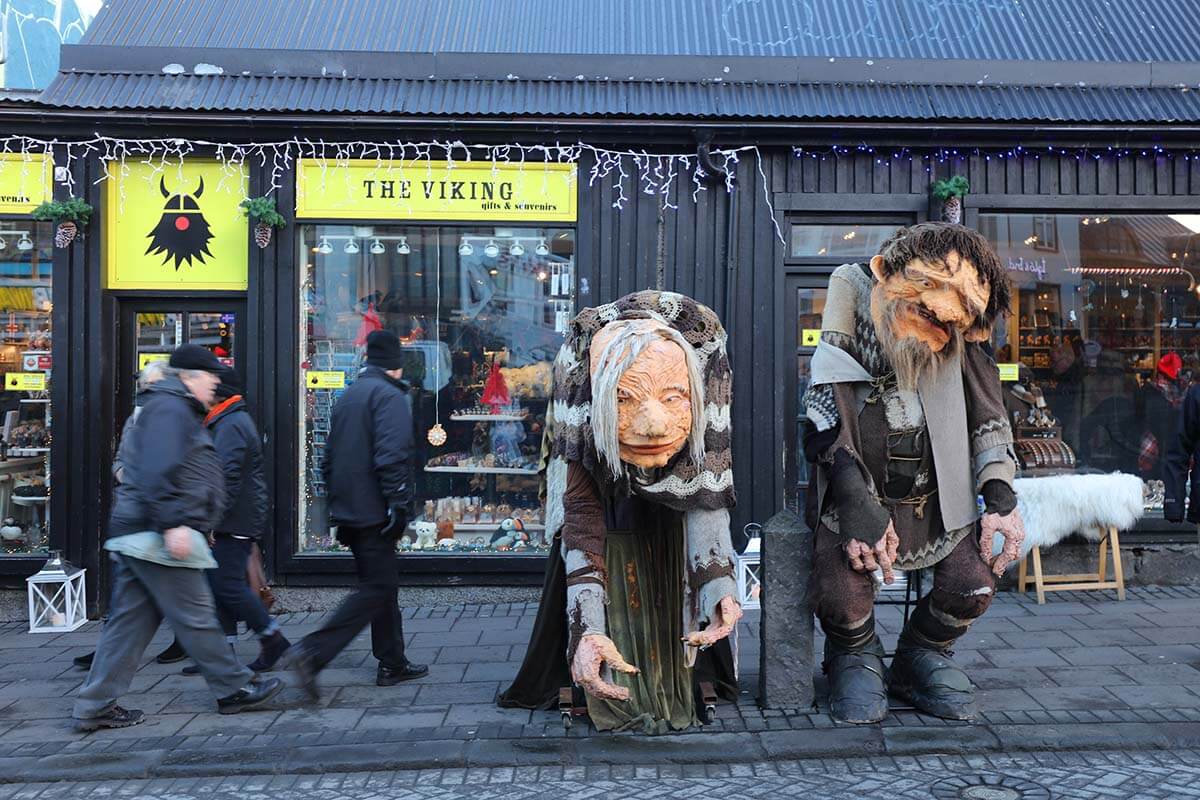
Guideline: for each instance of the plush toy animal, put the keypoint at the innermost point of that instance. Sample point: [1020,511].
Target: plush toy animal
[426,535]
[510,534]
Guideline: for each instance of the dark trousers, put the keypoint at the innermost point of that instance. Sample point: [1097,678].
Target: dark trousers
[375,601]
[234,598]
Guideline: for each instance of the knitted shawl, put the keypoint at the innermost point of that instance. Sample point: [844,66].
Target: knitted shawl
[683,484]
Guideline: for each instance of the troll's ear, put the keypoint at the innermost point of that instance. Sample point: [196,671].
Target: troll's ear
[877,268]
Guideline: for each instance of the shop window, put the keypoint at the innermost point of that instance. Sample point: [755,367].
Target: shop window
[838,243]
[1106,329]
[26,261]
[481,313]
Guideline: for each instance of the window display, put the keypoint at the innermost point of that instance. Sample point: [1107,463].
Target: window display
[481,313]
[1106,335]
[26,262]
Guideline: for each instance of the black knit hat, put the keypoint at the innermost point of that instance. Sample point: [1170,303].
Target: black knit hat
[193,356]
[383,350]
[231,382]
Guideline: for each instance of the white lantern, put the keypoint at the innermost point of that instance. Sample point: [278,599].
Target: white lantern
[748,566]
[57,597]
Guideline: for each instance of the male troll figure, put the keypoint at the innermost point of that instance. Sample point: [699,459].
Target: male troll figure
[907,424]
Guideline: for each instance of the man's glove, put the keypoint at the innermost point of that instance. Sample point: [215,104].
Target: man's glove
[397,520]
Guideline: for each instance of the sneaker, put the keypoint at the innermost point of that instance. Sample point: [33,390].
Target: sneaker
[250,696]
[390,676]
[273,648]
[115,717]
[173,654]
[85,662]
[299,660]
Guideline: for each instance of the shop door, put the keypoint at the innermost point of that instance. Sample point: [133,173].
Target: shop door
[805,302]
[151,329]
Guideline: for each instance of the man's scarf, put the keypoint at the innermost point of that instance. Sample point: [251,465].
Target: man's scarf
[683,484]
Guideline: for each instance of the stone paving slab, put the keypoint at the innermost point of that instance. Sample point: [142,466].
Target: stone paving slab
[1082,668]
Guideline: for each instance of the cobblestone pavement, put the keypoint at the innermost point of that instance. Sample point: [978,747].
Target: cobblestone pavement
[1083,665]
[1069,776]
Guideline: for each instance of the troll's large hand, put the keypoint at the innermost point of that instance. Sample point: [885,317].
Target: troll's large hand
[729,611]
[596,649]
[868,558]
[1012,528]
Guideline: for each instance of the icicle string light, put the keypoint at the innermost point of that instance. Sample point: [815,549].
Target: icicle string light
[659,175]
[944,155]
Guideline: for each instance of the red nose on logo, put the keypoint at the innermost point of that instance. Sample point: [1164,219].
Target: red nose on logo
[181,223]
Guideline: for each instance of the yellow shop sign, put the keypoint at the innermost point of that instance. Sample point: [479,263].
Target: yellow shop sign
[25,381]
[26,181]
[435,190]
[327,379]
[176,226]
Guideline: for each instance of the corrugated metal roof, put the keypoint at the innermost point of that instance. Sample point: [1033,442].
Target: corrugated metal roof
[1051,30]
[628,99]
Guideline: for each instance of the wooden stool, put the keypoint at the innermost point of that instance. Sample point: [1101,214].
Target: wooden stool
[1084,582]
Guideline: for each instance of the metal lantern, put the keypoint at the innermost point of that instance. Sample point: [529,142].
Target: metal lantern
[747,567]
[56,597]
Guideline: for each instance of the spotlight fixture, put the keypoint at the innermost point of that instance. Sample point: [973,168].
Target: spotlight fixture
[542,249]
[377,248]
[24,243]
[517,250]
[324,247]
[492,249]
[465,248]
[402,248]
[542,275]
[493,272]
[351,247]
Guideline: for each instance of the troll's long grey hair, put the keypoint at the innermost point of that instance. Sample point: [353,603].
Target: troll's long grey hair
[630,339]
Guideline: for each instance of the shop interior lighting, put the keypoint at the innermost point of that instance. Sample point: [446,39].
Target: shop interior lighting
[542,275]
[492,250]
[351,247]
[517,250]
[465,249]
[493,272]
[542,249]
[377,248]
[24,243]
[324,247]
[403,248]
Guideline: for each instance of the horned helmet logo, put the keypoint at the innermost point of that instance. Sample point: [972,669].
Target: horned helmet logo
[182,233]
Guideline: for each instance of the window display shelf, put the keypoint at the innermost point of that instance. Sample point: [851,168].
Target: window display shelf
[488,417]
[27,451]
[484,470]
[486,527]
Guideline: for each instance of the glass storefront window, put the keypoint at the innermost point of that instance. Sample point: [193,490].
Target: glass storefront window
[839,243]
[481,313]
[1106,328]
[26,262]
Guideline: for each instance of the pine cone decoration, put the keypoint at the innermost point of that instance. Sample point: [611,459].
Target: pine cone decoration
[65,233]
[262,235]
[952,210]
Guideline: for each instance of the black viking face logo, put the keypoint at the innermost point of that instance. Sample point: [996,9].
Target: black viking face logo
[182,233]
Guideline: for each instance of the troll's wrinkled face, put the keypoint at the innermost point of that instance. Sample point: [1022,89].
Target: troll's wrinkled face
[654,404]
[930,302]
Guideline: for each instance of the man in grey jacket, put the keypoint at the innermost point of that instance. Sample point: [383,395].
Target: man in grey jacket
[172,489]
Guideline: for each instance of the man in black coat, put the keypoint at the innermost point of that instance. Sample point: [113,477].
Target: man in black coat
[171,494]
[1182,460]
[368,471]
[245,516]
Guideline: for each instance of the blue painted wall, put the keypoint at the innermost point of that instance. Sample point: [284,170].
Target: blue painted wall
[33,30]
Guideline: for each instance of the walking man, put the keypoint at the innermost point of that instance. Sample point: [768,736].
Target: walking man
[368,472]
[172,488]
[240,452]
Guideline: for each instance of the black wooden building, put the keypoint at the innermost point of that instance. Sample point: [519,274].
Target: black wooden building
[1076,124]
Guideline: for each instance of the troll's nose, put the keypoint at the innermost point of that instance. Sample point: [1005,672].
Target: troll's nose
[652,420]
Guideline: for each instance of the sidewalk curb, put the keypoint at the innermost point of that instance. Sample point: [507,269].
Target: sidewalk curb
[715,748]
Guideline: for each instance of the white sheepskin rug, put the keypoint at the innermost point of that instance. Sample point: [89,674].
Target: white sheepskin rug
[1056,506]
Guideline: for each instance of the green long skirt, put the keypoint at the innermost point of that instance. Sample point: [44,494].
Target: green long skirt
[645,621]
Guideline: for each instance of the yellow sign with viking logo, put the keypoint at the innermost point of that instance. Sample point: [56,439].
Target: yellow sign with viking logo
[435,190]
[175,226]
[26,181]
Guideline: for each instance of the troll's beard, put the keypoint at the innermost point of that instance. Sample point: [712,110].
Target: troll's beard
[912,359]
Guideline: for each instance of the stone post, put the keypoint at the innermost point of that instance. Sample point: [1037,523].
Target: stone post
[786,653]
